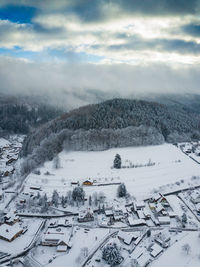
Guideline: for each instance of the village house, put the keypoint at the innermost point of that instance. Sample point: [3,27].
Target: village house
[86,216]
[163,238]
[87,182]
[195,197]
[136,222]
[11,218]
[127,238]
[63,245]
[156,250]
[139,205]
[9,233]
[163,220]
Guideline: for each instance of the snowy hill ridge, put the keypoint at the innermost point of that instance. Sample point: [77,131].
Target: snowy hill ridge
[113,123]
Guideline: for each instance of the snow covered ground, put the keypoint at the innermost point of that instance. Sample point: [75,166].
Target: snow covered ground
[81,240]
[171,165]
[24,240]
[175,256]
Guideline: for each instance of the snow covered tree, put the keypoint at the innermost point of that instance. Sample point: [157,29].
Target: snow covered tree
[117,162]
[44,205]
[184,219]
[121,191]
[186,248]
[111,254]
[63,201]
[90,200]
[78,194]
[55,198]
[56,162]
[95,198]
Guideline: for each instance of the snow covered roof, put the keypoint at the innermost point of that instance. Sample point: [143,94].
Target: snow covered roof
[127,237]
[138,252]
[108,212]
[4,142]
[135,222]
[8,232]
[144,259]
[156,250]
[140,214]
[139,204]
[164,220]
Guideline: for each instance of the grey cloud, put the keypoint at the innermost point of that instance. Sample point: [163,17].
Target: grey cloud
[78,84]
[192,29]
[137,43]
[97,10]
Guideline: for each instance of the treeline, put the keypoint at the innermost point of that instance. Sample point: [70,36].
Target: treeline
[90,140]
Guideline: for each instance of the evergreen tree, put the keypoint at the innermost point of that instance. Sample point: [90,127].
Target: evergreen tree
[55,198]
[117,162]
[111,254]
[90,200]
[121,191]
[78,194]
[56,162]
[63,201]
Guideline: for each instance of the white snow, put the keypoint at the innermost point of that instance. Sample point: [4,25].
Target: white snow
[171,165]
[175,256]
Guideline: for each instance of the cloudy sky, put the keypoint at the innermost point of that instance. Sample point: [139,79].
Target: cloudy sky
[89,49]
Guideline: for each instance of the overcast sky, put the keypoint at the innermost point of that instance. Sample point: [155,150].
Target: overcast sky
[81,50]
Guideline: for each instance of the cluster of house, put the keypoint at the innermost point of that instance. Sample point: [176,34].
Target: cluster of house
[10,227]
[86,215]
[58,236]
[140,254]
[190,148]
[9,152]
[195,198]
[153,212]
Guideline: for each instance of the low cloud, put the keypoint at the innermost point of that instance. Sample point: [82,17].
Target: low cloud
[73,85]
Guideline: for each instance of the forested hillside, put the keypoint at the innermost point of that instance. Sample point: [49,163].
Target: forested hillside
[20,116]
[113,123]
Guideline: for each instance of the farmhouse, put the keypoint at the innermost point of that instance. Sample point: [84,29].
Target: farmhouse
[63,245]
[52,239]
[86,216]
[9,233]
[87,182]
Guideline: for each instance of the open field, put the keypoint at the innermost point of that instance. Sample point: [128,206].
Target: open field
[171,165]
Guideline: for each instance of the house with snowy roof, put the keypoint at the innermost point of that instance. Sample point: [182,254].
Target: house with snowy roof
[9,233]
[86,216]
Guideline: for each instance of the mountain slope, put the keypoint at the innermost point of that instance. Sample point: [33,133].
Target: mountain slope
[20,114]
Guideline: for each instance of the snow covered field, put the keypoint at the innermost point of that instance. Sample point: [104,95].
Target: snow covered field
[175,256]
[171,165]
